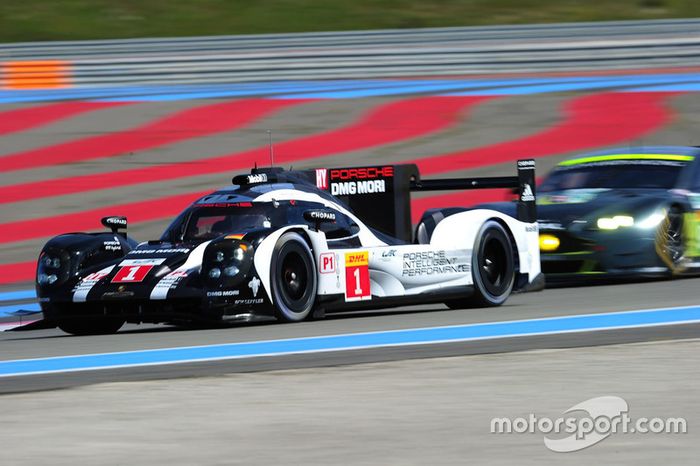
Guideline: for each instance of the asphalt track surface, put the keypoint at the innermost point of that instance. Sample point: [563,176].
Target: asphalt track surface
[550,303]
[65,164]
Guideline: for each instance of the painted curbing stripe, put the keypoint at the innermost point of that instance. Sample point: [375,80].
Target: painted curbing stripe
[7,311]
[624,81]
[5,326]
[17,295]
[346,342]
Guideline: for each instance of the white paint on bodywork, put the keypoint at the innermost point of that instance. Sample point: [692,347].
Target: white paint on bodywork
[460,230]
[455,235]
[266,248]
[392,273]
[367,238]
[193,262]
[86,284]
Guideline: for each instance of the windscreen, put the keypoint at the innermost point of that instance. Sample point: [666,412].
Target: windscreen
[208,222]
[632,174]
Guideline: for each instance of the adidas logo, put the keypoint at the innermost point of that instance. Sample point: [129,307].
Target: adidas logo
[527,195]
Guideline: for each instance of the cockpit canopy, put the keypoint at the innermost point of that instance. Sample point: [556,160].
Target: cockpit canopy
[202,222]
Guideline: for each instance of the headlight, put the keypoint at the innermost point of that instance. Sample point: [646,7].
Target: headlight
[613,223]
[239,253]
[549,243]
[225,263]
[52,262]
[44,279]
[231,271]
[652,221]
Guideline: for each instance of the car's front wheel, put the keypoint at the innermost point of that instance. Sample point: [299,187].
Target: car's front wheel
[670,244]
[294,283]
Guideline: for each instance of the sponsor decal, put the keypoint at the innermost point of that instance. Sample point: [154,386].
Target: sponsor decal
[389,253]
[170,281]
[81,291]
[254,285]
[132,262]
[114,222]
[132,274]
[526,164]
[367,180]
[369,173]
[236,236]
[320,215]
[322,178]
[527,195]
[248,301]
[417,264]
[112,245]
[346,188]
[218,294]
[259,178]
[96,276]
[357,284]
[532,228]
[327,262]
[159,251]
[225,204]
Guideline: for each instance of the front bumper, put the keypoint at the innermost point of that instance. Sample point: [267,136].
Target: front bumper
[175,311]
[596,255]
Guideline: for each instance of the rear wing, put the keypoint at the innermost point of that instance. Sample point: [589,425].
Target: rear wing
[524,182]
[381,195]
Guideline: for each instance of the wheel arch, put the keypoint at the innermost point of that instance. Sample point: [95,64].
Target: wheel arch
[458,231]
[513,243]
[264,252]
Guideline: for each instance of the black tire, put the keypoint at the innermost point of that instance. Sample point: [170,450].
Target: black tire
[493,268]
[670,244]
[91,325]
[294,281]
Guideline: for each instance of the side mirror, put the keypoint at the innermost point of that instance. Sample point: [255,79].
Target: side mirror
[115,223]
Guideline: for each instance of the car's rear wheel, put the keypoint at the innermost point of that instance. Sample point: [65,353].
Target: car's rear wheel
[91,325]
[293,279]
[493,268]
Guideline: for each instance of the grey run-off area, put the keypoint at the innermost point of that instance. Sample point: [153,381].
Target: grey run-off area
[430,411]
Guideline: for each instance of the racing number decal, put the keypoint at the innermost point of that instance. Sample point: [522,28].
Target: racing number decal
[132,274]
[357,287]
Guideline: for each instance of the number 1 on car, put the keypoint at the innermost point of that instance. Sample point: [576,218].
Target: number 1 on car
[357,284]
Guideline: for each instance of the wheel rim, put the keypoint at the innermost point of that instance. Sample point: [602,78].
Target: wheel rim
[294,276]
[493,266]
[674,238]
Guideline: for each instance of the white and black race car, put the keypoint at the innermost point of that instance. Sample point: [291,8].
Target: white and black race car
[293,245]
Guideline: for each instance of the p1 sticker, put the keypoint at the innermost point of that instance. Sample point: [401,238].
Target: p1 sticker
[357,286]
[132,274]
[327,262]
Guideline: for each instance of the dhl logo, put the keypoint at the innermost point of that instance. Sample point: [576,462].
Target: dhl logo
[353,259]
